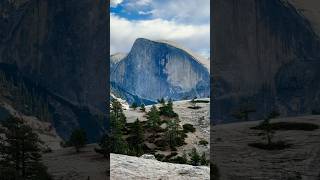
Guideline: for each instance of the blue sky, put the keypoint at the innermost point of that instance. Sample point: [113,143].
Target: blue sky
[186,22]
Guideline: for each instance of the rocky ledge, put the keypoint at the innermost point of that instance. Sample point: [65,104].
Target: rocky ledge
[129,167]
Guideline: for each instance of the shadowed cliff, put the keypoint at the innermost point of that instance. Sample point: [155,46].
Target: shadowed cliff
[59,49]
[266,57]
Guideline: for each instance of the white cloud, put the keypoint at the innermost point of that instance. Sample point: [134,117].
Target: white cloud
[114,3]
[186,11]
[137,5]
[143,2]
[123,33]
[144,12]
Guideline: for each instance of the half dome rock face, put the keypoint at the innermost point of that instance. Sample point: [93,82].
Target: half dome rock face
[115,58]
[159,69]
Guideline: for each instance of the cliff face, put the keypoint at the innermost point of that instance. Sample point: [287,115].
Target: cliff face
[267,56]
[61,47]
[155,69]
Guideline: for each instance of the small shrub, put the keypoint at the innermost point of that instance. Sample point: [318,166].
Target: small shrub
[142,108]
[161,101]
[194,104]
[201,101]
[194,107]
[289,126]
[183,134]
[203,142]
[179,160]
[194,157]
[161,143]
[134,106]
[203,160]
[280,145]
[188,128]
[167,110]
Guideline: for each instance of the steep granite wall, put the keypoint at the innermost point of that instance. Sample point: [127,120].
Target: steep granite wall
[60,46]
[266,56]
[155,69]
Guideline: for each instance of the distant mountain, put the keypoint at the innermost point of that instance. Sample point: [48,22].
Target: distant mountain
[156,69]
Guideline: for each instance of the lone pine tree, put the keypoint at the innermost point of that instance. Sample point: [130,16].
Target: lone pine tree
[268,130]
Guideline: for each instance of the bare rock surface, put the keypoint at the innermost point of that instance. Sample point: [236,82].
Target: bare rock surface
[44,129]
[128,167]
[238,161]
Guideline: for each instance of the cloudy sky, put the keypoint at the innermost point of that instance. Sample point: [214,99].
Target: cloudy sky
[186,22]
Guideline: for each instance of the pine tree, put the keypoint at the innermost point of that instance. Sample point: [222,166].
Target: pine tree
[173,135]
[20,153]
[153,119]
[142,108]
[116,114]
[134,106]
[117,124]
[78,139]
[137,137]
[267,128]
[184,158]
[194,157]
[203,159]
[162,101]
[167,110]
[267,131]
